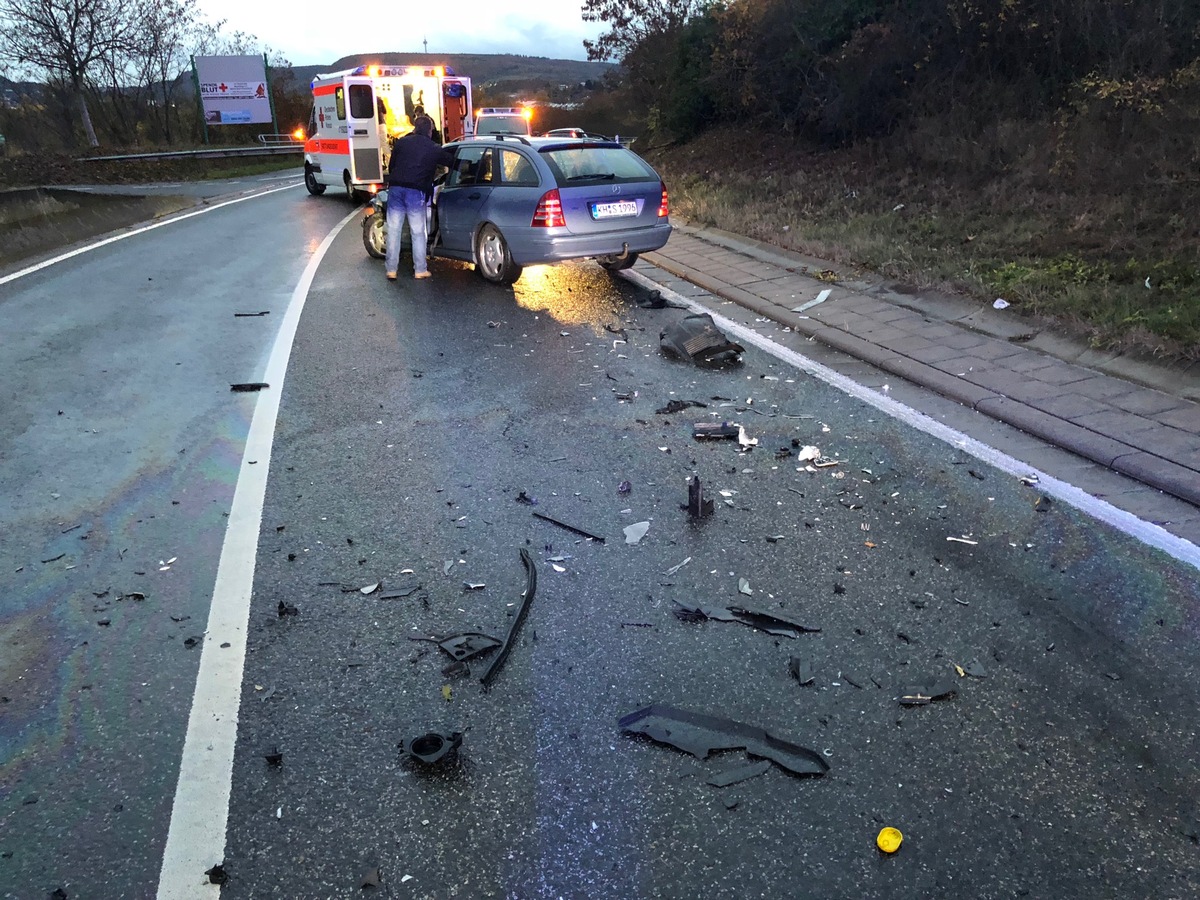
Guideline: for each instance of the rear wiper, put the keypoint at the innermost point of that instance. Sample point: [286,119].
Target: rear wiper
[596,176]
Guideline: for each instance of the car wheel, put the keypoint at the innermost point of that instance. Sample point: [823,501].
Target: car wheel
[351,193]
[492,259]
[375,235]
[616,263]
[310,181]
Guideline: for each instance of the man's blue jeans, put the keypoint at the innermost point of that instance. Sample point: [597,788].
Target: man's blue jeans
[406,203]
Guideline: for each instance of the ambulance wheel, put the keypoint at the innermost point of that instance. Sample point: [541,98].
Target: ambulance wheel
[310,181]
[374,235]
[492,259]
[351,193]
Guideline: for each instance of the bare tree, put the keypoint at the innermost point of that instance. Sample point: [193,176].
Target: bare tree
[67,39]
[633,23]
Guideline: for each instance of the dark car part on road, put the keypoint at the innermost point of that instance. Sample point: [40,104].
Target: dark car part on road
[265,312]
[739,774]
[580,531]
[715,430]
[217,874]
[674,406]
[698,506]
[273,755]
[463,646]
[697,338]
[801,670]
[700,734]
[370,879]
[922,695]
[526,599]
[432,747]
[287,609]
[248,387]
[767,622]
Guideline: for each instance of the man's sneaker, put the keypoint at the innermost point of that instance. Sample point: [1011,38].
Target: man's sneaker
[422,275]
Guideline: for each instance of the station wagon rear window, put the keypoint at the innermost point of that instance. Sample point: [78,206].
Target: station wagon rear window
[585,165]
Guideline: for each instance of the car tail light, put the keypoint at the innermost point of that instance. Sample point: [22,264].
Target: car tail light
[549,212]
[664,209]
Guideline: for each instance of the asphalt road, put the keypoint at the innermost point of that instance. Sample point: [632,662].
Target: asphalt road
[414,420]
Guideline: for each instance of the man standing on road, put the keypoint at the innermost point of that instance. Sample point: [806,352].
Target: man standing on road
[415,158]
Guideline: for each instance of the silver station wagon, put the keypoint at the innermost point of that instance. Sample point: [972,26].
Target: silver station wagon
[511,201]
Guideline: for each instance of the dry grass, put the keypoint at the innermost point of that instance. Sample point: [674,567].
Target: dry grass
[991,223]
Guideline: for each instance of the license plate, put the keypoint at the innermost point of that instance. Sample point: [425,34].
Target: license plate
[614,210]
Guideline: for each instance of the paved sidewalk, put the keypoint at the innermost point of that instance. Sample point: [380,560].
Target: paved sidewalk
[991,362]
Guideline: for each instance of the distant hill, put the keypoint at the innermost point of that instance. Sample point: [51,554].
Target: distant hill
[482,68]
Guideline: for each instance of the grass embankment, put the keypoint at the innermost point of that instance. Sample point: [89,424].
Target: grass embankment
[1115,261]
[39,170]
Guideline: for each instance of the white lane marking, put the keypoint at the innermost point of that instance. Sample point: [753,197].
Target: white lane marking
[196,838]
[112,239]
[1127,523]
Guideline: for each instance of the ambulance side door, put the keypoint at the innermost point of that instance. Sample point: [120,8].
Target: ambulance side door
[366,163]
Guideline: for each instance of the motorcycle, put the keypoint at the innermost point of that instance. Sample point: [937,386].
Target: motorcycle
[374,226]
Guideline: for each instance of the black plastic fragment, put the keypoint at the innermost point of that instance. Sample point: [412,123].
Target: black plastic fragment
[463,646]
[700,734]
[922,695]
[371,879]
[248,387]
[432,747]
[768,622]
[526,599]
[714,431]
[217,874]
[653,300]
[456,669]
[400,594]
[674,406]
[58,894]
[975,669]
[273,755]
[526,499]
[697,338]
[192,641]
[287,609]
[237,315]
[553,521]
[801,670]
[698,506]
[739,774]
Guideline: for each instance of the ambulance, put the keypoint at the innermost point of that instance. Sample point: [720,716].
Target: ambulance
[357,113]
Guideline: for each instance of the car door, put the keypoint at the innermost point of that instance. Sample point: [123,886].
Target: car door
[467,187]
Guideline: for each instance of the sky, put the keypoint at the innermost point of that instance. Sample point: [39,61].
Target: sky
[550,28]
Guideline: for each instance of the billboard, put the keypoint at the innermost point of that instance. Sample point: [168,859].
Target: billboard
[233,89]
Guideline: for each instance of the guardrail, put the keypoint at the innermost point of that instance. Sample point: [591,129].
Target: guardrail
[207,153]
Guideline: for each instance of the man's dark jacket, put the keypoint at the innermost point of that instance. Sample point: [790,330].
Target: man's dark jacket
[414,160]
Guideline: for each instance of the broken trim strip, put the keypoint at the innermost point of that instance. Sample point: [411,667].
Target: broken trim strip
[526,599]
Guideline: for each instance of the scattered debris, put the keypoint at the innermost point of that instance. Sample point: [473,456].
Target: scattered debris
[624,488]
[54,558]
[654,300]
[768,622]
[888,840]
[474,585]
[700,734]
[248,387]
[821,298]
[697,338]
[675,568]
[1000,303]
[370,879]
[287,609]
[636,531]
[400,594]
[674,406]
[975,669]
[526,499]
[463,646]
[456,670]
[923,695]
[698,506]
[368,589]
[744,587]
[801,670]
[963,540]
[432,747]
[217,874]
[273,755]
[192,641]
[518,620]
[715,431]
[808,453]
[553,521]
[265,312]
[1042,504]
[739,774]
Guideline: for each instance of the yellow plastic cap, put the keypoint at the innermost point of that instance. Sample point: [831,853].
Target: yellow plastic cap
[889,840]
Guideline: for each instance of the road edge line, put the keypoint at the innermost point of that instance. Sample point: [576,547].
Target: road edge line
[200,811]
[1180,549]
